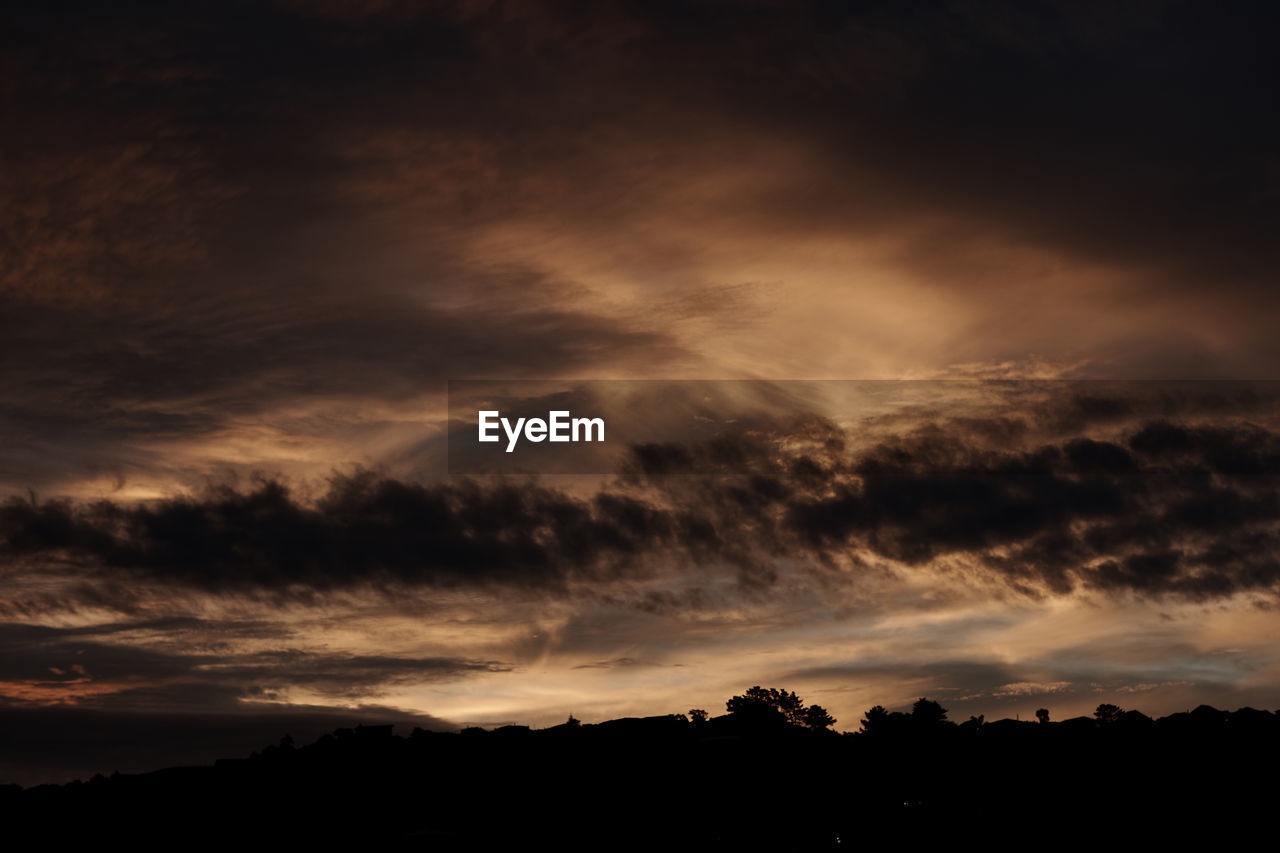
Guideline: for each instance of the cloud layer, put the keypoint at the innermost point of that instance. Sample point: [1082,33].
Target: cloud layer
[1163,509]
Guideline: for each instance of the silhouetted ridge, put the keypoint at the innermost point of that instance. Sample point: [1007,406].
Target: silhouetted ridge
[757,777]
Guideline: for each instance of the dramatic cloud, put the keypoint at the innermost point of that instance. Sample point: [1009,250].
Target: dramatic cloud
[42,666]
[362,530]
[1188,511]
[267,235]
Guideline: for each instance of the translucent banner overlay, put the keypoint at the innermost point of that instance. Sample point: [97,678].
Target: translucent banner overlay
[699,427]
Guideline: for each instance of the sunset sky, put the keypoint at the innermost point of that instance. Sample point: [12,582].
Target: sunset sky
[245,246]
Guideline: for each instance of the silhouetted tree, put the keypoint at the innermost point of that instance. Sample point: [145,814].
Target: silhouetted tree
[761,706]
[699,717]
[758,697]
[754,697]
[757,708]
[791,706]
[927,712]
[1107,713]
[817,718]
[873,719]
[1043,715]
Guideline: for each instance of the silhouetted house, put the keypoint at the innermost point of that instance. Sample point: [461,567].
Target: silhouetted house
[1134,720]
[1207,716]
[1077,724]
[659,726]
[1180,722]
[1252,720]
[1001,728]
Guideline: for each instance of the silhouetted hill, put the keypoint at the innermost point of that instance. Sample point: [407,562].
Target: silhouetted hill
[729,782]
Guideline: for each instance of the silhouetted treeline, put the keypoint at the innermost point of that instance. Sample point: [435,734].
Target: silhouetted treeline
[770,774]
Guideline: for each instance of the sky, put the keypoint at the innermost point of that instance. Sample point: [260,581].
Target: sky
[244,247]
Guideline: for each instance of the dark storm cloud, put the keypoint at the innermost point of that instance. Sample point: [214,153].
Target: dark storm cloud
[39,665]
[363,529]
[1109,130]
[612,664]
[102,381]
[1049,515]
[1165,508]
[219,210]
[944,676]
[1137,132]
[182,245]
[344,675]
[1017,411]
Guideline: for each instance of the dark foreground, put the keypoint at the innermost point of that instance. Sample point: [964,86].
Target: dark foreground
[662,783]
